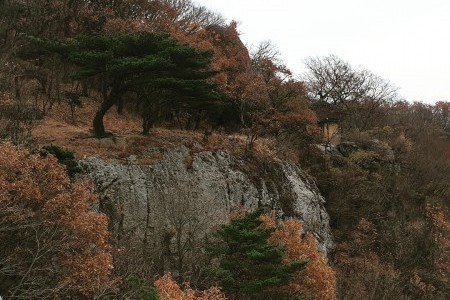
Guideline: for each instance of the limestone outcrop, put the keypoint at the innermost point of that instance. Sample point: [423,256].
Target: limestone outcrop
[142,200]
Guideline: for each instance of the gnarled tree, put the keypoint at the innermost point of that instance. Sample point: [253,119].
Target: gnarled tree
[136,62]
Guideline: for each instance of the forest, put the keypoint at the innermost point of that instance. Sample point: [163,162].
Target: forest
[159,72]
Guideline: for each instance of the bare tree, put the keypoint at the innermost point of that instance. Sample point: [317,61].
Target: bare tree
[186,13]
[357,93]
[266,50]
[186,217]
[332,80]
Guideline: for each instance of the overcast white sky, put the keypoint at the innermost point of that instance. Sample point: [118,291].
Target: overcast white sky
[404,41]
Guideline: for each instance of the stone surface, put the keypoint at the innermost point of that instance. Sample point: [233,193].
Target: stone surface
[203,185]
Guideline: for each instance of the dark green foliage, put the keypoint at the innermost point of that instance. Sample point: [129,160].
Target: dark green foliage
[249,266]
[139,289]
[73,99]
[66,158]
[140,62]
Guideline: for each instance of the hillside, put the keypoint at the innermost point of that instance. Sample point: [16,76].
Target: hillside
[147,153]
[57,128]
[178,175]
[126,138]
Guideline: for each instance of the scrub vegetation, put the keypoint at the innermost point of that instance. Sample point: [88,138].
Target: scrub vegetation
[113,78]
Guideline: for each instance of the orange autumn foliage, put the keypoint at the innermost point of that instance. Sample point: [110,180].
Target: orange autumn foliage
[318,280]
[437,214]
[53,243]
[168,289]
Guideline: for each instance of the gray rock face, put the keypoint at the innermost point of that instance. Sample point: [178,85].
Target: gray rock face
[204,187]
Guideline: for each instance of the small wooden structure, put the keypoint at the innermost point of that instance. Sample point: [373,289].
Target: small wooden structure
[330,131]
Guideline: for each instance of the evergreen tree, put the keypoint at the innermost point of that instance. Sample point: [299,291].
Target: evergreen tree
[249,266]
[139,62]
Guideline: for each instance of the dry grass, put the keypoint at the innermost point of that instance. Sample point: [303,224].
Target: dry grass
[58,128]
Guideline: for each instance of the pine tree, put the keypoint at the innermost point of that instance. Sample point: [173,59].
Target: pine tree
[139,62]
[249,266]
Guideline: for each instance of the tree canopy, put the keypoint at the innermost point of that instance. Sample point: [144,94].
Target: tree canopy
[139,62]
[354,94]
[249,265]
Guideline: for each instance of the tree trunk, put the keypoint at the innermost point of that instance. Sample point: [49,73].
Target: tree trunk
[84,85]
[120,106]
[147,123]
[149,116]
[17,89]
[99,128]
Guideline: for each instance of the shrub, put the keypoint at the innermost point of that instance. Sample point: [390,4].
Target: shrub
[65,157]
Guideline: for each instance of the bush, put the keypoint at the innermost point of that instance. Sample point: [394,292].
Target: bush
[65,157]
[53,246]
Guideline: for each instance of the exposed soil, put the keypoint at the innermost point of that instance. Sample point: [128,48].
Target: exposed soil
[58,128]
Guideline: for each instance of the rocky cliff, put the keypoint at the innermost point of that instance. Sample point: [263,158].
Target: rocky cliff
[198,191]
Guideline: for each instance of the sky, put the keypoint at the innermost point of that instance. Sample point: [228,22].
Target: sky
[406,42]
